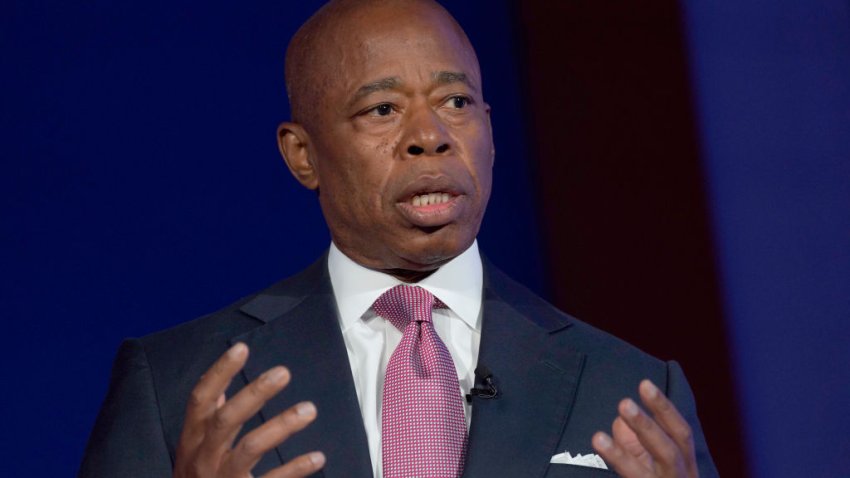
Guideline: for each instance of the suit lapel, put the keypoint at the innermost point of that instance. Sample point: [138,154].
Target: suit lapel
[517,433]
[302,332]
[513,435]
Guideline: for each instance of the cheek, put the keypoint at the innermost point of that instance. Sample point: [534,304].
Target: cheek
[357,172]
[483,157]
[367,180]
[385,148]
[375,164]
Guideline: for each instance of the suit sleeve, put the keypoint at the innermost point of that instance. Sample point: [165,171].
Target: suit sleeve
[681,395]
[127,440]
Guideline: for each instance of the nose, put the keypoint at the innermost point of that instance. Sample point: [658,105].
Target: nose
[425,135]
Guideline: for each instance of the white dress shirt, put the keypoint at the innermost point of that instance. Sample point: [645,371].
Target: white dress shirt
[370,340]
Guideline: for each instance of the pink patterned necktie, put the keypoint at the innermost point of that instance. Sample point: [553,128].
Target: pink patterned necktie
[422,423]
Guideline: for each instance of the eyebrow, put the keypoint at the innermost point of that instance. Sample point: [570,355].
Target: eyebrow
[448,77]
[388,83]
[393,82]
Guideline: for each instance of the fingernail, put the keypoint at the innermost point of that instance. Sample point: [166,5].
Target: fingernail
[602,441]
[237,350]
[317,458]
[649,389]
[305,409]
[630,409]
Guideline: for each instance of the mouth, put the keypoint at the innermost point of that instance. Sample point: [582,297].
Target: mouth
[432,209]
[430,199]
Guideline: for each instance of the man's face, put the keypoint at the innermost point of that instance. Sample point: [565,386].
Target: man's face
[402,147]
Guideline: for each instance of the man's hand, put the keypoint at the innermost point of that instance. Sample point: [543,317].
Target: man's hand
[644,446]
[206,446]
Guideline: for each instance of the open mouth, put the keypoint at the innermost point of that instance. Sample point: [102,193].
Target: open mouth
[430,199]
[431,209]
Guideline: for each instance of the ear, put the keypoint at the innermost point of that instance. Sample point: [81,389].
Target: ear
[293,143]
[490,129]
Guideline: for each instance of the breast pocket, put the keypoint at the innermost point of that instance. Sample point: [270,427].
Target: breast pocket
[573,471]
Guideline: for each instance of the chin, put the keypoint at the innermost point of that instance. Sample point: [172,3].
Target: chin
[434,249]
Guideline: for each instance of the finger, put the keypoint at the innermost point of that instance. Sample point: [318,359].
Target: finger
[669,418]
[253,445]
[299,467]
[225,423]
[617,457]
[208,393]
[665,454]
[214,382]
[626,438]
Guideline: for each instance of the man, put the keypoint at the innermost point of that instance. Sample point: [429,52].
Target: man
[391,129]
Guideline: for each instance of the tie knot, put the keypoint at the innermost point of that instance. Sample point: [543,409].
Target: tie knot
[404,303]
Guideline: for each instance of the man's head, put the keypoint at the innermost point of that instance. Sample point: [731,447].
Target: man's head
[387,111]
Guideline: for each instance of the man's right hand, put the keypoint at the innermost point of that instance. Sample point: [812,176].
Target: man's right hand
[206,448]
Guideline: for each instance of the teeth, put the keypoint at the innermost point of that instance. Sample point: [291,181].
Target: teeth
[431,198]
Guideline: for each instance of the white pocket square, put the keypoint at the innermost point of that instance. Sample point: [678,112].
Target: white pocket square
[591,460]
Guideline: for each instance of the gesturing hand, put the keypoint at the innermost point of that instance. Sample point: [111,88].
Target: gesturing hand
[644,446]
[206,446]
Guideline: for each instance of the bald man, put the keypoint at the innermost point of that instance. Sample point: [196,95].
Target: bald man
[390,127]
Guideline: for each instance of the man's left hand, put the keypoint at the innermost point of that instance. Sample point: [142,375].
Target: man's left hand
[660,445]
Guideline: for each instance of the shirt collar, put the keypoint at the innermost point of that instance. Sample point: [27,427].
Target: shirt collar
[458,283]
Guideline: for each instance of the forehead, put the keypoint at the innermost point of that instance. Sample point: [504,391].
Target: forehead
[408,43]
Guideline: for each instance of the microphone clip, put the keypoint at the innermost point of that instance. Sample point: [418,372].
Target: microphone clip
[489,391]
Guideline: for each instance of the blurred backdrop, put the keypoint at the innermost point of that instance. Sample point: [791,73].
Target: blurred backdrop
[675,172]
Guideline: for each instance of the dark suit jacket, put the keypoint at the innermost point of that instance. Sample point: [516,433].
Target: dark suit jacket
[559,379]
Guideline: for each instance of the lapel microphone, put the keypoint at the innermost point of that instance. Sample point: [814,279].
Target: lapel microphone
[483,374]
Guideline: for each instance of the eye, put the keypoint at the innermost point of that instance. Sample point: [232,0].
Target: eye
[459,102]
[382,109]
